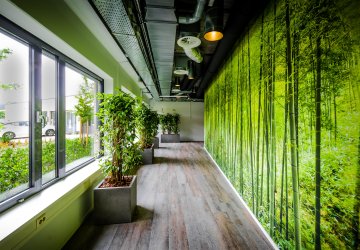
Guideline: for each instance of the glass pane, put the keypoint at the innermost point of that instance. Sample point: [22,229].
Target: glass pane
[48,93]
[14,117]
[80,118]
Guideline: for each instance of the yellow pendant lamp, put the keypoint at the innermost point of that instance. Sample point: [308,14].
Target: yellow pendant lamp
[214,22]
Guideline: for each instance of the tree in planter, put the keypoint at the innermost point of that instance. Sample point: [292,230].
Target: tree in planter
[175,121]
[162,123]
[165,123]
[85,107]
[154,123]
[117,116]
[146,121]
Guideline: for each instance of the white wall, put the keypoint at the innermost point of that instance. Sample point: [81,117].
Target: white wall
[191,117]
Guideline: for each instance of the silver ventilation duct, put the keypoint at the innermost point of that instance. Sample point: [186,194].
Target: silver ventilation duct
[115,17]
[161,25]
[197,14]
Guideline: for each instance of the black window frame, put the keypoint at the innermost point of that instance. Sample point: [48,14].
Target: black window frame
[36,49]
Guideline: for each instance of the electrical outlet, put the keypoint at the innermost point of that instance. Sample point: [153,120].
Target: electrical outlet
[40,220]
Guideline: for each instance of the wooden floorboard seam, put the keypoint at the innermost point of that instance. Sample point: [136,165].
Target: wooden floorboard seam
[184,202]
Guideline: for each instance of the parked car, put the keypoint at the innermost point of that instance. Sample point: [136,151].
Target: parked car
[20,129]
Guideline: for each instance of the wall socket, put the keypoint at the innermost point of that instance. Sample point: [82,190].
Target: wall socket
[40,220]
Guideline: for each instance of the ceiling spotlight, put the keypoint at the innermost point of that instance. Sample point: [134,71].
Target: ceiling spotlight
[191,68]
[180,71]
[214,22]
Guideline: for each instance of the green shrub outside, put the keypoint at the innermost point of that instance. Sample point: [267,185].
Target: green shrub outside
[14,161]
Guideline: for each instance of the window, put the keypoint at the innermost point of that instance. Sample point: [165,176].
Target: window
[48,106]
[14,123]
[80,101]
[48,126]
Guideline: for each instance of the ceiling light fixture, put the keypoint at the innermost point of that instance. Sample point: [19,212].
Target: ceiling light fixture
[180,71]
[214,22]
[177,83]
[190,69]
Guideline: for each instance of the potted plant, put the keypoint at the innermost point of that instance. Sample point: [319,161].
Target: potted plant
[170,124]
[175,121]
[145,123]
[162,123]
[154,128]
[115,196]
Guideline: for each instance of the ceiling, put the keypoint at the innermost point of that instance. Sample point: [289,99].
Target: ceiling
[147,32]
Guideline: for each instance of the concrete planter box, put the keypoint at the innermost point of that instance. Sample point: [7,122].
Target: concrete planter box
[156,142]
[116,204]
[147,155]
[170,138]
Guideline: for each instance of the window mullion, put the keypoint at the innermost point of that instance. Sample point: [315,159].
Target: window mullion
[35,112]
[60,118]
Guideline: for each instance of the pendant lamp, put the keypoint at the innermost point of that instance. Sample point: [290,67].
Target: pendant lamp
[214,18]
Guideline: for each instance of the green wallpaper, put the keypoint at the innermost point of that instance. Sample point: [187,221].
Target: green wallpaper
[282,121]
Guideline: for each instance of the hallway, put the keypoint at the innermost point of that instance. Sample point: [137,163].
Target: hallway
[184,202]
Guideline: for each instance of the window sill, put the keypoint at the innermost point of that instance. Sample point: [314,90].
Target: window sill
[50,201]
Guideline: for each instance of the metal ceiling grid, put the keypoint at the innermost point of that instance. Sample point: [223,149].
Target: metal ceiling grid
[114,14]
[161,23]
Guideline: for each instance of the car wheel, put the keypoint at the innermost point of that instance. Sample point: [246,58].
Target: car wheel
[8,135]
[50,132]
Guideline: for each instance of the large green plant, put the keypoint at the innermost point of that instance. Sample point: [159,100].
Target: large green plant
[162,123]
[174,123]
[154,123]
[165,123]
[117,116]
[146,121]
[170,123]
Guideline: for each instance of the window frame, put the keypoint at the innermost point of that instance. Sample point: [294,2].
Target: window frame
[36,50]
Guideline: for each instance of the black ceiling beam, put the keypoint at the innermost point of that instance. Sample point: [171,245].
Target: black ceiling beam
[243,13]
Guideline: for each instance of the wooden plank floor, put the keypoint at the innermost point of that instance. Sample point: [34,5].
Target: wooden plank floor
[183,203]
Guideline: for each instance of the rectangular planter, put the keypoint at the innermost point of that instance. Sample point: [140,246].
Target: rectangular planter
[115,205]
[156,142]
[147,155]
[170,138]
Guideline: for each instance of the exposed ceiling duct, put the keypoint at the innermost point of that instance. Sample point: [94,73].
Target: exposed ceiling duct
[197,14]
[161,25]
[157,24]
[115,17]
[190,44]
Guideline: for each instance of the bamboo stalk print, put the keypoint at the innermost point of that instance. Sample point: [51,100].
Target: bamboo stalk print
[276,140]
[318,145]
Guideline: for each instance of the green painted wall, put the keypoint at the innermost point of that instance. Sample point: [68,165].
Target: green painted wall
[63,217]
[56,16]
[282,121]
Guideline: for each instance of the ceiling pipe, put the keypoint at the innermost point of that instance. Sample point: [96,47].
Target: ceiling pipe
[146,44]
[197,14]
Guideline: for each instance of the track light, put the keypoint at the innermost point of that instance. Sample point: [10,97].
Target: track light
[214,22]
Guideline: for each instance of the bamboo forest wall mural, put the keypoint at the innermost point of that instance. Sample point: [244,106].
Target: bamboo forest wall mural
[282,121]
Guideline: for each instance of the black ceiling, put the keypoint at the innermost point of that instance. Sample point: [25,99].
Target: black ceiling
[157,26]
[186,8]
[237,15]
